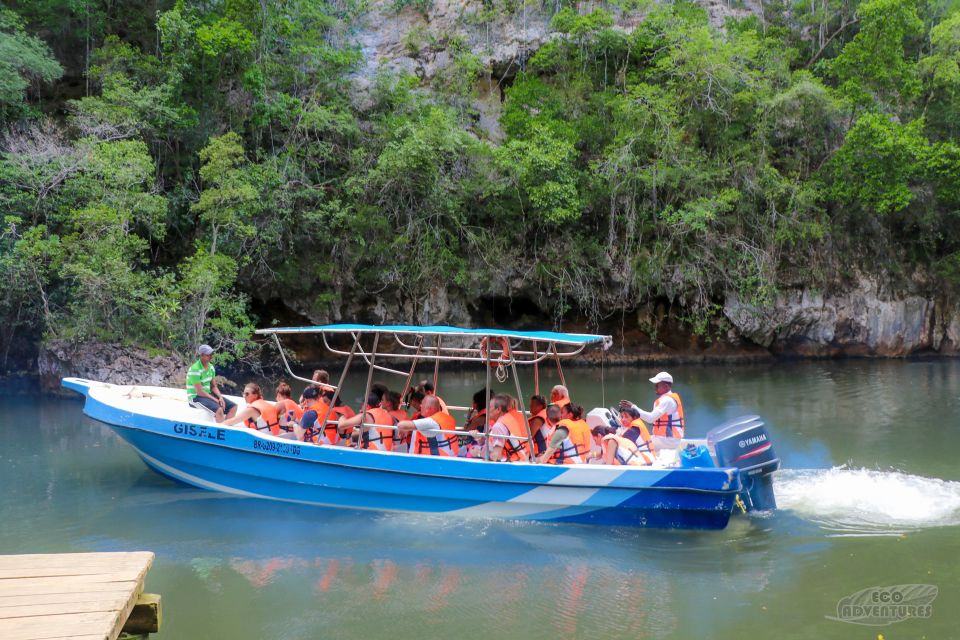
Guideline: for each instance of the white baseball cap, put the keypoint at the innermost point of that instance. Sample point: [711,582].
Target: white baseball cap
[663,376]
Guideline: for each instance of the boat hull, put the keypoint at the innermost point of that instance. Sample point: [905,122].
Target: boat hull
[248,463]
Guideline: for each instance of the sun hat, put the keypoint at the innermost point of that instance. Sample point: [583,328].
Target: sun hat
[205,350]
[663,376]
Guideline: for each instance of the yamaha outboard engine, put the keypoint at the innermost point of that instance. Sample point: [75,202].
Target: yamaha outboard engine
[744,443]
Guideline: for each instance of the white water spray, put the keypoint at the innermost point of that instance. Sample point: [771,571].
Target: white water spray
[868,502]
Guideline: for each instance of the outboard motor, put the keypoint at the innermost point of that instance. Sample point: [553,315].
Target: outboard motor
[744,443]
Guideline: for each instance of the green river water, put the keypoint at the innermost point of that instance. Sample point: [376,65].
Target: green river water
[869,496]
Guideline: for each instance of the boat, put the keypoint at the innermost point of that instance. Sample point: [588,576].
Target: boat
[186,444]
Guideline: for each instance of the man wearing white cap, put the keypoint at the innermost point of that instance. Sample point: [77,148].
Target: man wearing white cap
[667,414]
[202,388]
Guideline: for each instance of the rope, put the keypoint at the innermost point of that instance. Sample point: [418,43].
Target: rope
[501,373]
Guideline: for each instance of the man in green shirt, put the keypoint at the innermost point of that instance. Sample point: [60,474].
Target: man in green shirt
[202,388]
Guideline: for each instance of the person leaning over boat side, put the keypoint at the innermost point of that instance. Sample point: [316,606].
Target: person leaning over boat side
[667,413]
[202,386]
[538,424]
[258,414]
[617,449]
[426,438]
[371,437]
[559,396]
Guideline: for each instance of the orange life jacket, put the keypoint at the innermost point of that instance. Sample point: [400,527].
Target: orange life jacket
[316,434]
[516,447]
[562,402]
[669,425]
[292,409]
[575,446]
[269,417]
[540,432]
[642,452]
[379,439]
[442,444]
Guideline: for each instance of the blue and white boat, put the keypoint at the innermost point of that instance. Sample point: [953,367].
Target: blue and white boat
[186,444]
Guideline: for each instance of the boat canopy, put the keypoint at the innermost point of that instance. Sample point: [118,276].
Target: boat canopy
[577,339]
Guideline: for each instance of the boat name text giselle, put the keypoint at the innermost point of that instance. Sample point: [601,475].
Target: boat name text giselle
[199,431]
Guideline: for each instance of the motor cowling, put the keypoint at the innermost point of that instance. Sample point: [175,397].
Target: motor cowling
[745,443]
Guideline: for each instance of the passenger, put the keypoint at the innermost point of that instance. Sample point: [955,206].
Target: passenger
[379,389]
[624,449]
[514,448]
[290,411]
[371,437]
[554,416]
[339,409]
[428,390]
[314,410]
[391,404]
[258,414]
[667,414]
[477,416]
[571,441]
[538,424]
[202,387]
[426,437]
[414,399]
[321,376]
[559,396]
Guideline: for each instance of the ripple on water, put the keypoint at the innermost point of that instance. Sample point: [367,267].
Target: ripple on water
[868,502]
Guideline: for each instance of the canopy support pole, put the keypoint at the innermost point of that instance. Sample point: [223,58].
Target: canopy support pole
[526,420]
[366,393]
[436,367]
[536,371]
[286,365]
[413,367]
[556,357]
[336,390]
[486,400]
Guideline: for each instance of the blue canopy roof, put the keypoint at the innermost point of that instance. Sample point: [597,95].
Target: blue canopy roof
[540,336]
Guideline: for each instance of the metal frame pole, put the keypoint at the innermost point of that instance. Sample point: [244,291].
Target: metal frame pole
[486,426]
[436,368]
[526,420]
[559,368]
[366,392]
[536,371]
[413,367]
[343,376]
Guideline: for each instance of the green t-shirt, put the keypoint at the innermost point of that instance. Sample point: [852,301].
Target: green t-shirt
[196,373]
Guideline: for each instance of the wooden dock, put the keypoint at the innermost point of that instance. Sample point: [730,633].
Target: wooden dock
[82,596]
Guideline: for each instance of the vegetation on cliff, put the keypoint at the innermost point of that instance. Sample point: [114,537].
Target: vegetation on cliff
[171,170]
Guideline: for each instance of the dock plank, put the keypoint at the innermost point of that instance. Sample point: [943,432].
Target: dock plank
[75,595]
[44,598]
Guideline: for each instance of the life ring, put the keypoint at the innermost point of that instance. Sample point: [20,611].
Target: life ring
[505,355]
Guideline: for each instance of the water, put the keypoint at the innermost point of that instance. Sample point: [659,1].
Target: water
[870,496]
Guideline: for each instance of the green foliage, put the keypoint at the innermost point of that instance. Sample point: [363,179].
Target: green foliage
[222,153]
[873,67]
[24,59]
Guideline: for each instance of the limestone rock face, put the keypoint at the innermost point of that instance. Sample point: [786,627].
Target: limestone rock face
[863,320]
[106,362]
